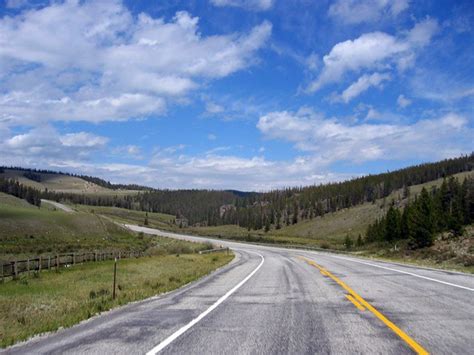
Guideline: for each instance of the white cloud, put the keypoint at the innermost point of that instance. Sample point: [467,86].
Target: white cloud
[403,102]
[255,5]
[213,108]
[211,137]
[358,11]
[131,151]
[94,61]
[218,171]
[443,86]
[45,145]
[331,140]
[363,84]
[373,50]
[82,139]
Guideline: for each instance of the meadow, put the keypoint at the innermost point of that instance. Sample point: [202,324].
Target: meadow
[34,305]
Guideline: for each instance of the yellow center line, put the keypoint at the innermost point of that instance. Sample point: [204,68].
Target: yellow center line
[363,303]
[354,301]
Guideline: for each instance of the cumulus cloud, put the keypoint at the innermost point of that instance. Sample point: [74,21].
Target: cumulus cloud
[363,84]
[402,101]
[130,151]
[358,11]
[373,50]
[213,108]
[332,140]
[45,145]
[219,171]
[255,5]
[94,61]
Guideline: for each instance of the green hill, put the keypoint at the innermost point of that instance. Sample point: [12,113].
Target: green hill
[59,182]
[28,230]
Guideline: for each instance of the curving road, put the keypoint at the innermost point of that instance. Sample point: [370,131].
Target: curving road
[278,301]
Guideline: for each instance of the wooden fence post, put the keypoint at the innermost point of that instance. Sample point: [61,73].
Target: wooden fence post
[28,266]
[39,264]
[57,262]
[15,269]
[2,273]
[73,258]
[49,262]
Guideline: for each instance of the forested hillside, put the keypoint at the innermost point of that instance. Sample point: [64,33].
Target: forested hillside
[448,208]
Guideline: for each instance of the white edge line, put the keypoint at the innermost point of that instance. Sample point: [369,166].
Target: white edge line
[182,330]
[405,272]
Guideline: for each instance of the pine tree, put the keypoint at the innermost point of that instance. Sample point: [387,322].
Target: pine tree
[421,223]
[267,224]
[405,222]
[468,188]
[392,227]
[348,242]
[295,213]
[278,219]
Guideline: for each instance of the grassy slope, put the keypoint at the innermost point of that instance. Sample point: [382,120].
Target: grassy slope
[62,299]
[62,183]
[27,230]
[158,220]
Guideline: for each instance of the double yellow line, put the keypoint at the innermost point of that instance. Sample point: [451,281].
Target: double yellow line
[362,304]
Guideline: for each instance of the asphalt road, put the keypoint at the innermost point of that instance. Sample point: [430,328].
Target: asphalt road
[278,301]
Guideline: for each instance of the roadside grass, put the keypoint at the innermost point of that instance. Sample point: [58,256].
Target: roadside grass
[448,252]
[35,305]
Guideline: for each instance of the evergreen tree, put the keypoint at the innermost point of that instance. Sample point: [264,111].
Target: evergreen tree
[392,228]
[295,213]
[421,223]
[267,224]
[348,243]
[278,219]
[405,222]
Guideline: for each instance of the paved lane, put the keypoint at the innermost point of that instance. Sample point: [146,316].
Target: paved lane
[285,306]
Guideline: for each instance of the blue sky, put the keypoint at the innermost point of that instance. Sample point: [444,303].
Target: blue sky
[242,94]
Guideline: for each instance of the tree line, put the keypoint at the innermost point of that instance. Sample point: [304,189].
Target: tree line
[12,187]
[273,209]
[447,208]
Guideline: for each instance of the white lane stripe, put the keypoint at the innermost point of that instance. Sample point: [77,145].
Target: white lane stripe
[182,330]
[404,272]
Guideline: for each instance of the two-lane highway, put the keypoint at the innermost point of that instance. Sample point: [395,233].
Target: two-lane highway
[278,301]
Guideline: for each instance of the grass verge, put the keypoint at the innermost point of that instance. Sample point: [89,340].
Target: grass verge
[36,305]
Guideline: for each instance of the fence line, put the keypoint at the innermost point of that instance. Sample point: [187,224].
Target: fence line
[37,264]
[214,250]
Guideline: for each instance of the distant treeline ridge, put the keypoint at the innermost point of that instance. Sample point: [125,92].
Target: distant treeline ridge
[274,208]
